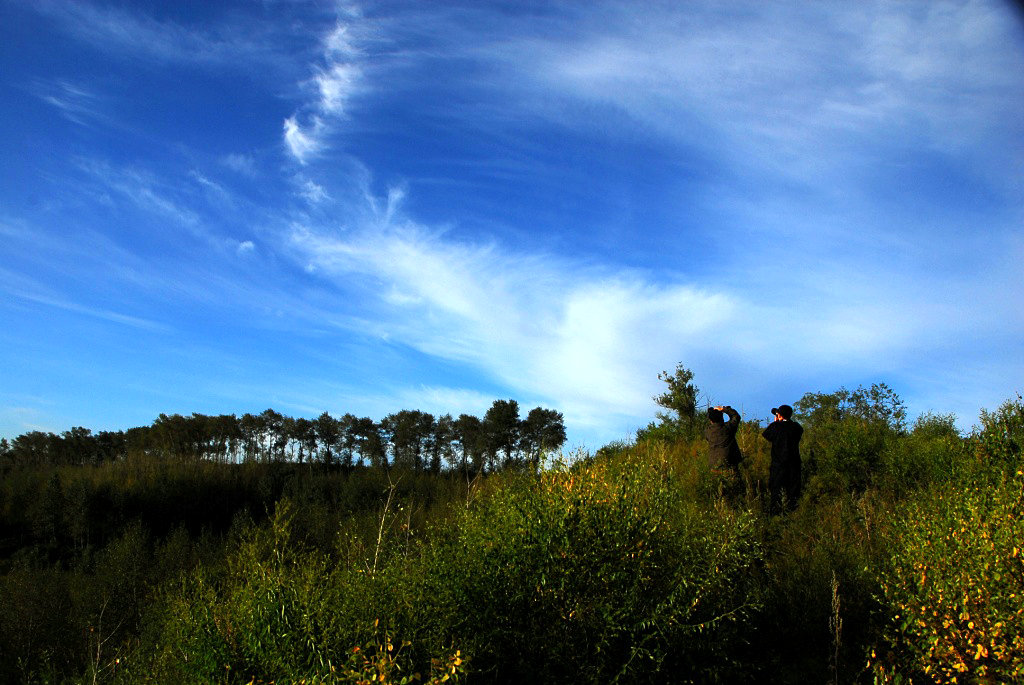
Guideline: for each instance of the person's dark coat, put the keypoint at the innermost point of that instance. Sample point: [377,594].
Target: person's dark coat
[784,473]
[723,450]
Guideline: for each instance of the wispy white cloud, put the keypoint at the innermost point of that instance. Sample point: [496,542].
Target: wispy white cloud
[15,420]
[338,43]
[76,103]
[141,189]
[590,340]
[312,191]
[240,163]
[215,192]
[166,198]
[440,400]
[26,289]
[796,93]
[303,144]
[337,77]
[550,328]
[769,95]
[335,85]
[135,33]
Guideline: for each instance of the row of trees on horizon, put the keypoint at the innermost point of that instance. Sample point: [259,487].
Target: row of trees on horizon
[405,439]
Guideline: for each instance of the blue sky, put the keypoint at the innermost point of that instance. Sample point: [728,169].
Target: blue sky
[367,207]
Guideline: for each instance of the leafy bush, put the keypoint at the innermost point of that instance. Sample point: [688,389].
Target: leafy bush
[597,574]
[998,445]
[589,573]
[34,625]
[955,583]
[932,452]
[955,580]
[637,564]
[847,434]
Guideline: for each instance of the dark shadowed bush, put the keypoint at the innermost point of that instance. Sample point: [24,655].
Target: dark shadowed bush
[279,612]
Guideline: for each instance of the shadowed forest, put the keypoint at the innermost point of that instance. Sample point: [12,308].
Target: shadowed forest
[265,549]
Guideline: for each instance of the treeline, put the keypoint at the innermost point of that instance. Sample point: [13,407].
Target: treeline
[409,439]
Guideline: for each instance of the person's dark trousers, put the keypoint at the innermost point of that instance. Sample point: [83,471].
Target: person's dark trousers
[783,481]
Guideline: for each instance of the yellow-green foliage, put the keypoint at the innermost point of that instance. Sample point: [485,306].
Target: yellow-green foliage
[956,586]
[955,582]
[598,572]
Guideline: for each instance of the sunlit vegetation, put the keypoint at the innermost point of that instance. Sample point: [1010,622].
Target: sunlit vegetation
[259,561]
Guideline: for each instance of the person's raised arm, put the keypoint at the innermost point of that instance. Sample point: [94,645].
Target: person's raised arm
[734,416]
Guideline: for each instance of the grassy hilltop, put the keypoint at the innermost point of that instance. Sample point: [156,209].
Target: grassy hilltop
[901,563]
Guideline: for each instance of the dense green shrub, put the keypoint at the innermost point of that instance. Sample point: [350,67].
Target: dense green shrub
[35,625]
[637,564]
[846,435]
[932,452]
[999,443]
[817,592]
[954,583]
[600,574]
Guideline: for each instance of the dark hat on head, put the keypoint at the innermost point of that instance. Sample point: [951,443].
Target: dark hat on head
[783,410]
[715,416]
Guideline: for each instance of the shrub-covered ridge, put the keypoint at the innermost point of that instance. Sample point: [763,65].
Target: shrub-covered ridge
[901,563]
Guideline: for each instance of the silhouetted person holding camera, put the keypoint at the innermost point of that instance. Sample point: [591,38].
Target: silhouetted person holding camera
[723,451]
[784,476]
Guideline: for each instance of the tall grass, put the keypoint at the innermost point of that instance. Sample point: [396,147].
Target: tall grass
[598,573]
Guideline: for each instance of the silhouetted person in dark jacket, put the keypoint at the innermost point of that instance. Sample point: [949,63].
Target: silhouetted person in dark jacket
[784,476]
[723,451]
